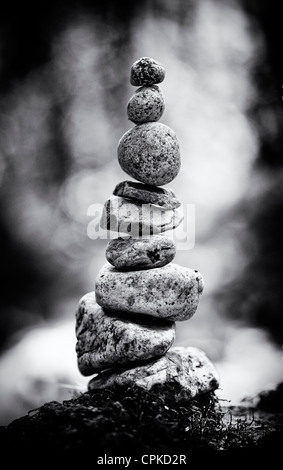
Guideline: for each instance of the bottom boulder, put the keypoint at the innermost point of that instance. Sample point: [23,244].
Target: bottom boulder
[187,370]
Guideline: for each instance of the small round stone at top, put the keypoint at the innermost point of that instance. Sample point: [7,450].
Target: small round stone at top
[147,71]
[146,105]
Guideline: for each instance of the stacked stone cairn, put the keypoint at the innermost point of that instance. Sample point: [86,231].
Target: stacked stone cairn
[126,327]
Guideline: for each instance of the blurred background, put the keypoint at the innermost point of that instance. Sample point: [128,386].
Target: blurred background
[64,88]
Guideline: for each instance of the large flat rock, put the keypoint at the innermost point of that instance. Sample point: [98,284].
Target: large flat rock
[187,368]
[164,197]
[170,292]
[105,340]
[134,218]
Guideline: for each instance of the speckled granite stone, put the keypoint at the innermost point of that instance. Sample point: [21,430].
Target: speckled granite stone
[146,71]
[188,368]
[164,197]
[146,105]
[170,292]
[140,253]
[134,218]
[107,340]
[150,153]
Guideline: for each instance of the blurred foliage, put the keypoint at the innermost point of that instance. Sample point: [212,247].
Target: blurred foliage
[59,93]
[256,294]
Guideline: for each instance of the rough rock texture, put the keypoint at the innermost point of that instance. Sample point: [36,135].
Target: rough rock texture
[150,153]
[105,340]
[146,105]
[188,367]
[136,219]
[170,292]
[146,71]
[164,197]
[140,253]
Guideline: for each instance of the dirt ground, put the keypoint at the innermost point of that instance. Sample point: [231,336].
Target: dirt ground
[112,423]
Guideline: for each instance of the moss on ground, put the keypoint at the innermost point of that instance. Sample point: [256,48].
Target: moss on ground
[122,420]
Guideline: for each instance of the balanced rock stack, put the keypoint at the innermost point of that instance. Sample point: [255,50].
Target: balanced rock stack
[126,327]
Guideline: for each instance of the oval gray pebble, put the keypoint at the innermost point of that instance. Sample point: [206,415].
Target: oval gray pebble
[187,371]
[170,292]
[146,105]
[140,253]
[107,340]
[150,153]
[163,197]
[147,71]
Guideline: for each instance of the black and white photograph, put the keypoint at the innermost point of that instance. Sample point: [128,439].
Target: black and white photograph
[141,231]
